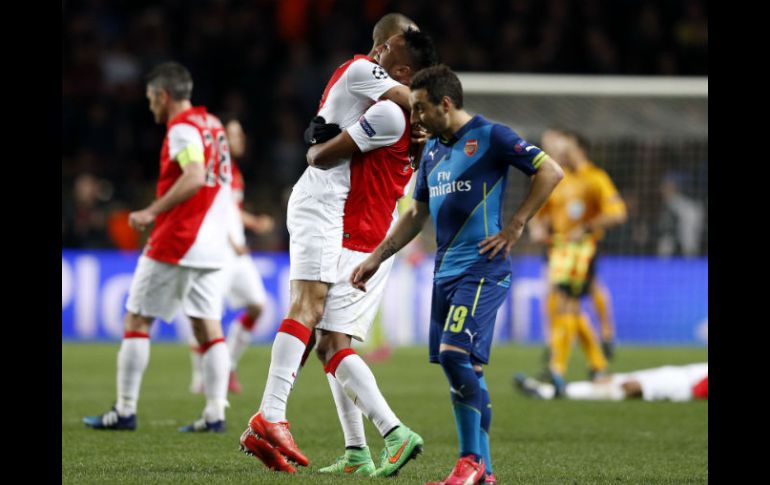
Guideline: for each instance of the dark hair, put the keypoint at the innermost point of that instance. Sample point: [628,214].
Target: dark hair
[420,48]
[580,139]
[439,81]
[174,78]
[390,25]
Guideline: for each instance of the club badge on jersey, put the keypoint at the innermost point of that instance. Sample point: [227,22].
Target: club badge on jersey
[471,146]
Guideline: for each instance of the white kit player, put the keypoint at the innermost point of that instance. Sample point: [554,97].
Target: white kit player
[316,220]
[380,170]
[243,283]
[180,267]
[671,382]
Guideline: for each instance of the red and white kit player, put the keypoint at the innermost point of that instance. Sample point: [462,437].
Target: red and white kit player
[667,383]
[180,267]
[243,283]
[379,172]
[315,220]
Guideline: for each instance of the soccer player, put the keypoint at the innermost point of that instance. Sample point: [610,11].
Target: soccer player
[378,348]
[584,205]
[315,220]
[380,172]
[181,263]
[244,287]
[673,383]
[462,176]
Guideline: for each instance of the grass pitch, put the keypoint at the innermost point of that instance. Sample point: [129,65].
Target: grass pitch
[533,442]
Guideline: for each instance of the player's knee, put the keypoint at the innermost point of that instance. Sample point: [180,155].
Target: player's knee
[329,344]
[309,314]
[316,312]
[451,357]
[137,323]
[322,350]
[206,330]
[254,311]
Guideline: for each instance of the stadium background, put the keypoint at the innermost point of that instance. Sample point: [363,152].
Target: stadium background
[266,63]
[645,110]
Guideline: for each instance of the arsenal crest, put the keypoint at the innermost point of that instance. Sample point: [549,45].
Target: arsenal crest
[470,147]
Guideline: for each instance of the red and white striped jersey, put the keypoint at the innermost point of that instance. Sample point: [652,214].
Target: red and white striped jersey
[193,233]
[378,175]
[352,89]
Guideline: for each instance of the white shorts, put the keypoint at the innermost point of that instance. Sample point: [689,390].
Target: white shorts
[674,383]
[160,289]
[349,310]
[243,283]
[315,238]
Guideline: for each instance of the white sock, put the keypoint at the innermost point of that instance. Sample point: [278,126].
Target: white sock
[216,371]
[593,391]
[361,387]
[133,357]
[238,340]
[285,358]
[350,416]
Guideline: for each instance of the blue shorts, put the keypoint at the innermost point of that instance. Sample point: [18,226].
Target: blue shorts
[463,312]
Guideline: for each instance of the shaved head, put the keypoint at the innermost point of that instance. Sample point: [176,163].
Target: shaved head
[390,25]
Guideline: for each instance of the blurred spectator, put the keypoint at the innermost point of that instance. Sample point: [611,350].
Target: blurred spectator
[681,222]
[84,221]
[267,62]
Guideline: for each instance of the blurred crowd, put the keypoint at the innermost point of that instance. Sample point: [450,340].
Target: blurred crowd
[265,62]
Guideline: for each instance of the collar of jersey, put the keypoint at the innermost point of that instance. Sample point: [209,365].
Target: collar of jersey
[477,119]
[364,56]
[186,112]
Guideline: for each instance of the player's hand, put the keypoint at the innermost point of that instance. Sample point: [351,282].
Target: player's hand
[419,134]
[363,272]
[502,241]
[141,220]
[318,131]
[261,224]
[577,233]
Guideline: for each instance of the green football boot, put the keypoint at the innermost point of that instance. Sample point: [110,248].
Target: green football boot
[354,462]
[401,445]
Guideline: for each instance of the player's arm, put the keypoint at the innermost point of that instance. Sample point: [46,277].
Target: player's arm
[399,95]
[257,223]
[380,126]
[408,226]
[540,225]
[370,80]
[604,221]
[548,175]
[331,153]
[613,209]
[193,177]
[538,229]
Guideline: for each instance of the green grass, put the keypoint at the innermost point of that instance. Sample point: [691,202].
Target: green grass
[533,442]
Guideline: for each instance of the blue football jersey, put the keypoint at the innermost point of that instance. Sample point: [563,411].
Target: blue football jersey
[462,180]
